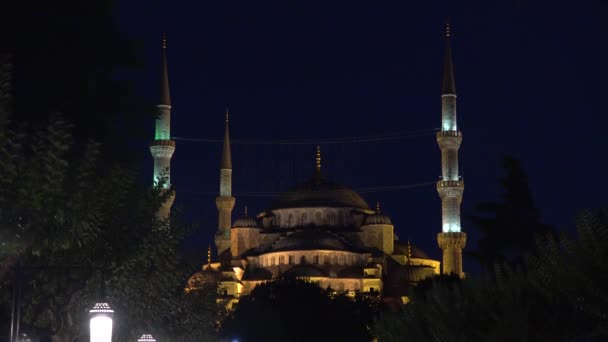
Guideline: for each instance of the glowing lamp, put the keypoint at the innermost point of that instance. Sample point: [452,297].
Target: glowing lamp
[146,338]
[101,323]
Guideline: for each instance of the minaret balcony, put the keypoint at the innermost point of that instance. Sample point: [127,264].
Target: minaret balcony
[162,148]
[450,188]
[449,139]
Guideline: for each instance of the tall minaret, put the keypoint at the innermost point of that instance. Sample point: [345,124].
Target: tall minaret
[162,147]
[225,201]
[451,240]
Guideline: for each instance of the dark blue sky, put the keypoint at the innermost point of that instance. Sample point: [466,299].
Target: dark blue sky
[531,79]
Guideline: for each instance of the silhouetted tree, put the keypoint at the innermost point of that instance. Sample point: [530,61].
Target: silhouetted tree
[560,295]
[509,228]
[69,58]
[288,309]
[73,226]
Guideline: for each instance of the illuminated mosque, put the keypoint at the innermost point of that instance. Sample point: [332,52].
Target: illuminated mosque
[320,230]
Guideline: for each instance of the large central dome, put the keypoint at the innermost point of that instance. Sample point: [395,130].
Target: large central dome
[319,192]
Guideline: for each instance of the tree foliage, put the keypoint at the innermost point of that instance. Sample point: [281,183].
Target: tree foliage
[75,227]
[560,295]
[289,309]
[509,228]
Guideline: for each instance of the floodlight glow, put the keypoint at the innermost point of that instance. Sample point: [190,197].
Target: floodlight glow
[101,323]
[146,338]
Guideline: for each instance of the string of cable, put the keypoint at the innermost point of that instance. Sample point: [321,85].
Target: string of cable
[323,141]
[365,190]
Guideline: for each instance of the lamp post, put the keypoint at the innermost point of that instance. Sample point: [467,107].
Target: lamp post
[146,338]
[101,323]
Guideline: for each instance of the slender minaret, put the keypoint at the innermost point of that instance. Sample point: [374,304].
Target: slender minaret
[162,147]
[225,201]
[451,240]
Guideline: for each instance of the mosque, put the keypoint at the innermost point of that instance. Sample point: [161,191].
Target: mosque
[321,230]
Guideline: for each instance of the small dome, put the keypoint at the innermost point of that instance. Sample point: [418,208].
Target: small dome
[377,218]
[245,222]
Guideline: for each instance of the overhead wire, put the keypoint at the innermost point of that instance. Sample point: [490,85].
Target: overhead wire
[324,141]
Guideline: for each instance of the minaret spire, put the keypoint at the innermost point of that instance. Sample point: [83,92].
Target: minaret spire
[318,159]
[225,202]
[451,187]
[162,147]
[165,95]
[449,84]
[226,162]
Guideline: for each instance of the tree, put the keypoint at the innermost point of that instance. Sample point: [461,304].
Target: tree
[560,295]
[76,226]
[289,309]
[69,58]
[509,229]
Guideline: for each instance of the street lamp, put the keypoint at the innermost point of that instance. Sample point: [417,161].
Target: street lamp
[146,338]
[101,323]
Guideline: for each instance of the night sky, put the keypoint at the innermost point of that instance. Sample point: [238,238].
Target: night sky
[530,76]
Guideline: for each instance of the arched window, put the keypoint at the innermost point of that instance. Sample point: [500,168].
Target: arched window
[334,260]
[272,260]
[292,260]
[290,220]
[304,219]
[315,259]
[303,259]
[341,260]
[281,260]
[277,221]
[326,259]
[331,219]
[318,218]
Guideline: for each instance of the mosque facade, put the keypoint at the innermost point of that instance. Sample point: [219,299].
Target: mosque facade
[320,230]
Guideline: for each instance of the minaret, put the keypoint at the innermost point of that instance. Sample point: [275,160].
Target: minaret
[225,201]
[451,240]
[162,147]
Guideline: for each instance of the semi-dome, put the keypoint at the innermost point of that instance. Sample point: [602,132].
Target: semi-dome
[312,240]
[319,192]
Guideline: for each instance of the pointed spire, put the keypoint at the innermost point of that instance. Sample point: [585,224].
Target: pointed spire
[246,211]
[318,159]
[449,85]
[209,255]
[409,251]
[226,159]
[165,97]
[378,207]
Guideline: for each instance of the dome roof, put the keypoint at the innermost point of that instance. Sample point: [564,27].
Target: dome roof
[319,192]
[305,271]
[245,221]
[377,217]
[401,249]
[206,277]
